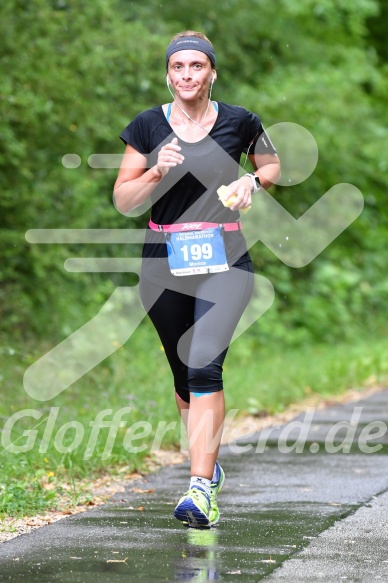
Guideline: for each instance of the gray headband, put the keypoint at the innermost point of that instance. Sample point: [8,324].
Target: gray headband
[192,43]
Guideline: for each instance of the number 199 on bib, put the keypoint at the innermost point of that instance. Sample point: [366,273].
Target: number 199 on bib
[196,252]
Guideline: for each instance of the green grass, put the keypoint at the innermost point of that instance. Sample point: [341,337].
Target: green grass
[17,499]
[257,379]
[274,377]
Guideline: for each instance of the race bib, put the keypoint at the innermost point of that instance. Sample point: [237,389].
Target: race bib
[195,252]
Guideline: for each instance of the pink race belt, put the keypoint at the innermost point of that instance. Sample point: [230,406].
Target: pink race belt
[194,226]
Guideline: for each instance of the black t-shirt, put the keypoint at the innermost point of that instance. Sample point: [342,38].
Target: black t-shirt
[188,193]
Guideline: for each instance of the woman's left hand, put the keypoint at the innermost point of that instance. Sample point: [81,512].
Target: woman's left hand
[242,190]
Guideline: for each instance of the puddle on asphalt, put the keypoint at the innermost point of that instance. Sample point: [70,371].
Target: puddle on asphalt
[289,500]
[125,545]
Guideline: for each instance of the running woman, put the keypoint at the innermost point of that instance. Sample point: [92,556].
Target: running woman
[197,276]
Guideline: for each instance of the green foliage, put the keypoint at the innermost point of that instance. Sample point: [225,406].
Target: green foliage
[72,76]
[86,69]
[71,89]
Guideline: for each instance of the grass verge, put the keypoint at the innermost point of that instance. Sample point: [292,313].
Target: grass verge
[114,419]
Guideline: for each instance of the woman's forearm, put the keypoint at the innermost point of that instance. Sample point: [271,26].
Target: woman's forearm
[269,174]
[130,194]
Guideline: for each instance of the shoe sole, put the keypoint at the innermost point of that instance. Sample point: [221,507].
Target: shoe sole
[188,513]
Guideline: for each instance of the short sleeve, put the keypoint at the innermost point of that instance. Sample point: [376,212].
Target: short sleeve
[136,134]
[255,137]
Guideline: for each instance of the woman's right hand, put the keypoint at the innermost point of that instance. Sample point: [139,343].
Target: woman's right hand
[169,157]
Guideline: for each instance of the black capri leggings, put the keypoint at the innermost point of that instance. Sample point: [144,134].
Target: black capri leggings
[196,327]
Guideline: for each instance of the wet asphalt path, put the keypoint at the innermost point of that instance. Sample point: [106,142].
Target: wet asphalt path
[317,515]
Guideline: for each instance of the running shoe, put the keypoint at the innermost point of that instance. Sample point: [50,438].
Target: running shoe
[193,508]
[215,488]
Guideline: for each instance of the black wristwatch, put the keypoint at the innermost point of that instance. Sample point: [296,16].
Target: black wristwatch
[255,181]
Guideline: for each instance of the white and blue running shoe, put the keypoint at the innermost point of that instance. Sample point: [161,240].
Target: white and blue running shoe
[193,508]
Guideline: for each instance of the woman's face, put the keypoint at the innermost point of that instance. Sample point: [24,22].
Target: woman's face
[190,74]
